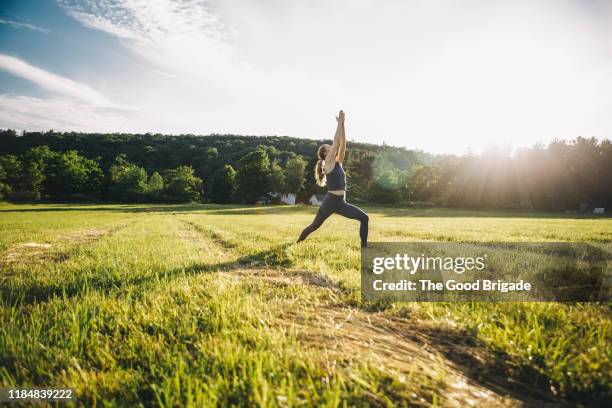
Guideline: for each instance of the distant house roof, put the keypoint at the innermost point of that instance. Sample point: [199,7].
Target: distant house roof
[274,194]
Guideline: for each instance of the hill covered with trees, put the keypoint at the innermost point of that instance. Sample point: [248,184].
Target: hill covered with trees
[230,168]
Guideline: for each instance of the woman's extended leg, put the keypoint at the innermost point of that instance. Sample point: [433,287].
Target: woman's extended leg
[350,211]
[324,212]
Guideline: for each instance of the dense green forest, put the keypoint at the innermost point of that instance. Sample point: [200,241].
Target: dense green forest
[228,168]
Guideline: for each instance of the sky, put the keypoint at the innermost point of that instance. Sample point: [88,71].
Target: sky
[444,76]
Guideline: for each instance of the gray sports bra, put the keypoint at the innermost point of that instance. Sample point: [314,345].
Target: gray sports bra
[336,179]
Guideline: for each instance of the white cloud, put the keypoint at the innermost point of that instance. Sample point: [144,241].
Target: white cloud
[437,75]
[209,86]
[166,31]
[52,82]
[31,113]
[75,106]
[17,24]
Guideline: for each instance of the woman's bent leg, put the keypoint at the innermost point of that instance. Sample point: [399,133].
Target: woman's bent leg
[355,213]
[323,214]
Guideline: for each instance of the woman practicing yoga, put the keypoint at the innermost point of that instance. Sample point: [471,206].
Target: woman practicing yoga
[329,170]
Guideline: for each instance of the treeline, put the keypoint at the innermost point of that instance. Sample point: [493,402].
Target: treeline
[575,175]
[43,173]
[227,168]
[137,168]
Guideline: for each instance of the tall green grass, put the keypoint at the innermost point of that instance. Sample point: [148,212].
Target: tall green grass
[216,306]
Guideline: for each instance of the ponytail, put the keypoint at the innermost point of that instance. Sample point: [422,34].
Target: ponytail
[320,173]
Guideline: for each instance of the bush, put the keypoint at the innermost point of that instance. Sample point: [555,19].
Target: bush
[181,184]
[223,185]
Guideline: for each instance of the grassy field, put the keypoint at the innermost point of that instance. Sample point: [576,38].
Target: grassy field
[202,305]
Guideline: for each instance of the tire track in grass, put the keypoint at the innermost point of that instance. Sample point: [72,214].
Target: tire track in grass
[216,237]
[204,239]
[370,337]
[228,253]
[21,260]
[57,250]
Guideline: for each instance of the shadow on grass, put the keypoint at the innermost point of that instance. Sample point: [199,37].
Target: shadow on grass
[440,212]
[493,370]
[275,257]
[235,209]
[213,209]
[130,208]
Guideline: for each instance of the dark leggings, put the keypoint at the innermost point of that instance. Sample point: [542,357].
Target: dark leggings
[333,203]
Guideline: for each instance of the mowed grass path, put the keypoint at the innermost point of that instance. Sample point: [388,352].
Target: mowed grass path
[202,305]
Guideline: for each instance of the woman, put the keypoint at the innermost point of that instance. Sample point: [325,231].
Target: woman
[329,171]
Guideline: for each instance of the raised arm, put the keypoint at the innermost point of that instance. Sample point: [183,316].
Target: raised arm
[342,143]
[330,159]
